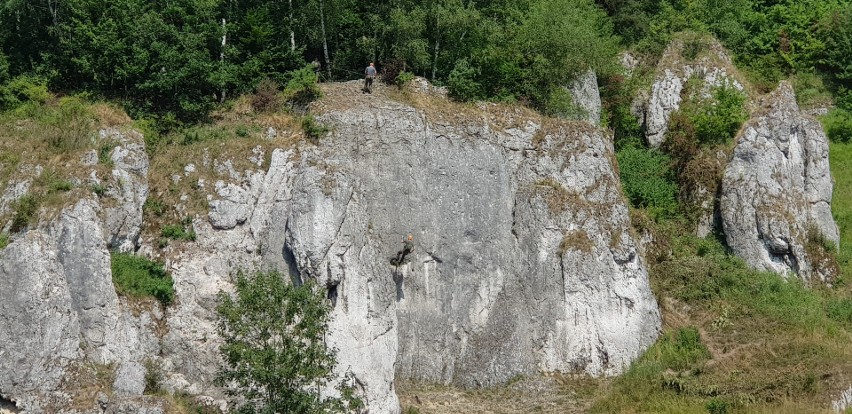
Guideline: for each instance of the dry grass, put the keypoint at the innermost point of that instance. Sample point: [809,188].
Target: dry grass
[53,138]
[541,394]
[83,381]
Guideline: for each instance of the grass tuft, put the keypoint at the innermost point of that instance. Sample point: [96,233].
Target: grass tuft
[138,277]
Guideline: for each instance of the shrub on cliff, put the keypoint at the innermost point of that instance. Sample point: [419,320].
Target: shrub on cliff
[647,180]
[139,277]
[273,347]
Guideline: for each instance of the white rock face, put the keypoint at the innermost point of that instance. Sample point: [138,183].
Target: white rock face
[674,71]
[587,97]
[129,186]
[523,262]
[777,187]
[843,402]
[489,293]
[39,333]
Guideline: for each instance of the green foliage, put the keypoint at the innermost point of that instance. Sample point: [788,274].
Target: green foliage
[718,119]
[23,89]
[273,346]
[718,406]
[154,207]
[648,181]
[153,376]
[678,350]
[98,189]
[24,212]
[404,78]
[838,125]
[313,129]
[462,84]
[4,240]
[182,231]
[302,88]
[834,32]
[138,277]
[841,205]
[58,185]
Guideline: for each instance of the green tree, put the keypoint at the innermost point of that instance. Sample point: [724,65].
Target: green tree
[275,356]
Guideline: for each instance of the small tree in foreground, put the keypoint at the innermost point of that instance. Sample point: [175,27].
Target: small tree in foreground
[275,357]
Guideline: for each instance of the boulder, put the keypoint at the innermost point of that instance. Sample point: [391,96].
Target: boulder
[777,188]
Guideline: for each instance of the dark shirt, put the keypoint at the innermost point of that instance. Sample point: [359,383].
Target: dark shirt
[408,246]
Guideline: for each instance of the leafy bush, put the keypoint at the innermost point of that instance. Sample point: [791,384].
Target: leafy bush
[462,84]
[136,276]
[718,119]
[4,240]
[648,180]
[274,349]
[404,78]
[23,89]
[391,70]
[718,406]
[24,212]
[182,231]
[302,88]
[266,97]
[313,129]
[838,125]
[153,377]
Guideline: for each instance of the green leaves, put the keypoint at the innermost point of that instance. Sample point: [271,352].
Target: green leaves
[274,350]
[136,276]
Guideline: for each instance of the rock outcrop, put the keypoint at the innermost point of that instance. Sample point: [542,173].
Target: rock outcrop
[776,192]
[587,96]
[710,64]
[524,259]
[128,186]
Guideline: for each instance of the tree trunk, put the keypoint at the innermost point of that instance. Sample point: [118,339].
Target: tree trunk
[324,39]
[223,93]
[437,47]
[292,33]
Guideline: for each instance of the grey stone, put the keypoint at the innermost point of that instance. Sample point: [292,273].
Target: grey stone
[843,402]
[39,335]
[673,73]
[128,186]
[587,97]
[778,187]
[129,379]
[89,158]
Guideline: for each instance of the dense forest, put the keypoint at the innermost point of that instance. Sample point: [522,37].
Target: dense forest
[175,60]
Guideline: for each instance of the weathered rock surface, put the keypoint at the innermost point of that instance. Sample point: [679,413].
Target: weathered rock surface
[39,330]
[587,96]
[712,66]
[499,284]
[524,261]
[776,192]
[128,186]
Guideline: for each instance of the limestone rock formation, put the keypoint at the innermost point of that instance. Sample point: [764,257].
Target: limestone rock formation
[587,97]
[128,186]
[711,65]
[776,192]
[524,260]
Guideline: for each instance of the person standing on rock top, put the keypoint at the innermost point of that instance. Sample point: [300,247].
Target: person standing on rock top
[369,75]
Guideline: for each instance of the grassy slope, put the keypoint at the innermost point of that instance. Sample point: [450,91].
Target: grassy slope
[772,346]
